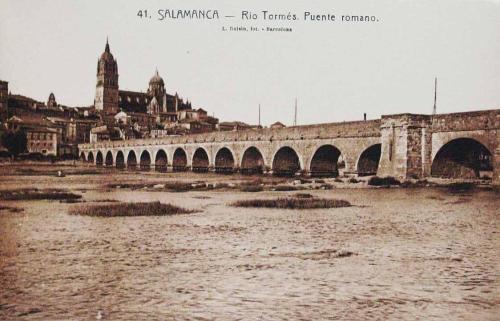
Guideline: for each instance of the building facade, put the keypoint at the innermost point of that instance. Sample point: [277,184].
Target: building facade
[42,140]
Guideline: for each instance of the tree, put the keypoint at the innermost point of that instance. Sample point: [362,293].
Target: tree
[15,141]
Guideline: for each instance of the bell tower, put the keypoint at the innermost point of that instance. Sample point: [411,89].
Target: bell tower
[106,92]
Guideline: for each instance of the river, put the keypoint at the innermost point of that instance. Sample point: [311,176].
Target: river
[417,253]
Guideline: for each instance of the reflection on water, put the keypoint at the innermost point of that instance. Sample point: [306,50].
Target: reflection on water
[417,254]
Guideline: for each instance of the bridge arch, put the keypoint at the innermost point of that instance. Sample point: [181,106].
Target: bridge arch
[462,158]
[200,160]
[90,157]
[324,161]
[145,160]
[109,159]
[120,160]
[252,161]
[82,157]
[368,160]
[161,161]
[286,162]
[99,158]
[224,160]
[131,159]
[179,161]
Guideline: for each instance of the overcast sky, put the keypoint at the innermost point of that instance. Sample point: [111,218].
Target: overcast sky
[337,70]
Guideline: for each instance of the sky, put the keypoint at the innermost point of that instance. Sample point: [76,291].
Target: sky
[336,70]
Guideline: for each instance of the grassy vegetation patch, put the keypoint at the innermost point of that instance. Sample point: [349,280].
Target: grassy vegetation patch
[252,188]
[37,194]
[460,187]
[54,172]
[293,203]
[383,181]
[417,183]
[303,195]
[171,186]
[180,187]
[285,188]
[11,209]
[130,209]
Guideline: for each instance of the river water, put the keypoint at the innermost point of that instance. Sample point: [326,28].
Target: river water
[417,254]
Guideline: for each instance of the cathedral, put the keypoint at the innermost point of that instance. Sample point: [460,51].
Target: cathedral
[155,102]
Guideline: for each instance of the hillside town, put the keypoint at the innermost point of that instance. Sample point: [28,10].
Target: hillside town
[34,129]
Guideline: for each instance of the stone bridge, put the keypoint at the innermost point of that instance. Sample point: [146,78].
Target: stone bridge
[403,146]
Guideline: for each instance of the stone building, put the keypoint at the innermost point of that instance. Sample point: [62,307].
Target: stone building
[22,102]
[277,125]
[43,140]
[155,101]
[233,125]
[43,136]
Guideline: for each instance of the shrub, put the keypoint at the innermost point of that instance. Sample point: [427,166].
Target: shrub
[14,141]
[130,209]
[292,203]
[353,180]
[383,181]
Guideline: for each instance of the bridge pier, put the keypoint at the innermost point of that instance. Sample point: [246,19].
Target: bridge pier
[496,164]
[405,146]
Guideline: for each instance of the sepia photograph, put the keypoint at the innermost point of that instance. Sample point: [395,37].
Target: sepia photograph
[249,160]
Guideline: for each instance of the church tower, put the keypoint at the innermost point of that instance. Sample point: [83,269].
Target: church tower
[106,92]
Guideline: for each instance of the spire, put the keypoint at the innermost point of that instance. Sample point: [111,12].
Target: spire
[107,45]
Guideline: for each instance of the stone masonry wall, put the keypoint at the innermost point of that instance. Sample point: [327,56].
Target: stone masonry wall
[408,142]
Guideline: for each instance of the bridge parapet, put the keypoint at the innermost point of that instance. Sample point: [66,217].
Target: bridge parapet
[467,121]
[369,128]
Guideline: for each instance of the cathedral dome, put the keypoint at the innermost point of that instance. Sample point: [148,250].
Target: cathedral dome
[156,79]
